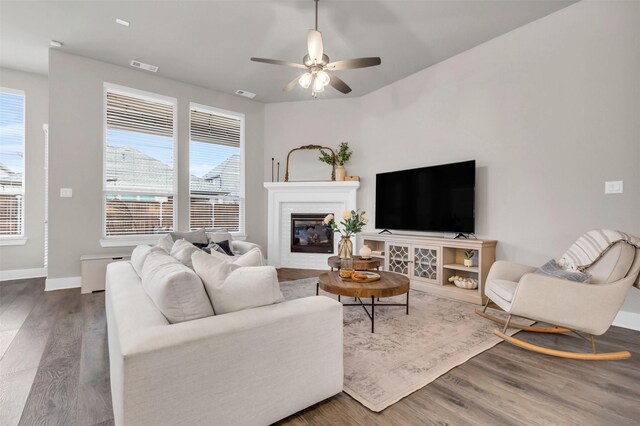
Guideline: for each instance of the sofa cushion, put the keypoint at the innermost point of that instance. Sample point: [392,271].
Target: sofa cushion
[182,250]
[174,288]
[165,243]
[233,288]
[197,237]
[138,256]
[219,235]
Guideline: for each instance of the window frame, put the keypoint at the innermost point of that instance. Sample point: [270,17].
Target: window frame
[21,238]
[240,234]
[131,240]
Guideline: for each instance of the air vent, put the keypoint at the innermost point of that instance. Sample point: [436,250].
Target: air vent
[245,94]
[144,66]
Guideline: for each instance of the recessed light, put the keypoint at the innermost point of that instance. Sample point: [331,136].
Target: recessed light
[144,66]
[245,94]
[122,22]
[55,43]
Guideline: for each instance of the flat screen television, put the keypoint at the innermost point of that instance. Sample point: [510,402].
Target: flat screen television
[437,198]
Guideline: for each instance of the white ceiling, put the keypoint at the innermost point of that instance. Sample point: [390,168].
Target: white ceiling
[209,43]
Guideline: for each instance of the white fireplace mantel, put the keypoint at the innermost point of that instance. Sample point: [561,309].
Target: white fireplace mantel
[302,197]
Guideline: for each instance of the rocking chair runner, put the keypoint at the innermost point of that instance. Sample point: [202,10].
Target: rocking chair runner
[570,306]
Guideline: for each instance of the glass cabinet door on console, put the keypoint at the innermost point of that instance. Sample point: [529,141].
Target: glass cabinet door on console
[425,263]
[398,258]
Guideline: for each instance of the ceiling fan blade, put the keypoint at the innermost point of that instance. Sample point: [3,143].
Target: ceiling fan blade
[338,84]
[279,62]
[349,64]
[314,45]
[292,85]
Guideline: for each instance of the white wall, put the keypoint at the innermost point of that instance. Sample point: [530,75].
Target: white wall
[28,259]
[550,111]
[76,144]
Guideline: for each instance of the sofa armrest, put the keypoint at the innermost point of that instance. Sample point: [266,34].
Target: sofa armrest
[590,308]
[241,247]
[510,271]
[254,366]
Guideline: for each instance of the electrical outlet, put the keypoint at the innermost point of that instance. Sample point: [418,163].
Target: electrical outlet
[613,187]
[66,192]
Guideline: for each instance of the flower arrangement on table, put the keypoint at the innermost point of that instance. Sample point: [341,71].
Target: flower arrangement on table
[352,223]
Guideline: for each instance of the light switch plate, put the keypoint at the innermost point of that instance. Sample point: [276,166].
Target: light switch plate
[613,187]
[66,192]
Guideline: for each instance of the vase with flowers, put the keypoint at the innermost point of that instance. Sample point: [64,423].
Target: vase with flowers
[351,223]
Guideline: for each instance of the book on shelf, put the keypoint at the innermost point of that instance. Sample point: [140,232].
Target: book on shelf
[377,253]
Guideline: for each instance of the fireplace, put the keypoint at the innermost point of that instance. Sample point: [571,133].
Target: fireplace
[309,234]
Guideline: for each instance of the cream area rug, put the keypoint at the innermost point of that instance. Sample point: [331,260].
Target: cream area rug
[406,352]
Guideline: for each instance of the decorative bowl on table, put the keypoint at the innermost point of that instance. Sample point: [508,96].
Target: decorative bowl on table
[364,277]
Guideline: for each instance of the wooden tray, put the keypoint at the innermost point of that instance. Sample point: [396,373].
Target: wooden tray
[372,277]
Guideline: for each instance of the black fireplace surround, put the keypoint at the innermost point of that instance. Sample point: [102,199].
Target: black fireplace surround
[309,234]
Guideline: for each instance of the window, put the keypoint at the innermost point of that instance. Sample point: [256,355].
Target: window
[11,163]
[139,163]
[216,187]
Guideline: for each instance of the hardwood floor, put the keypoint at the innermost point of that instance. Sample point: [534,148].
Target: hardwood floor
[54,369]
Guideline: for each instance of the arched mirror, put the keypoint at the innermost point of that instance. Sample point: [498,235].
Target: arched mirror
[303,164]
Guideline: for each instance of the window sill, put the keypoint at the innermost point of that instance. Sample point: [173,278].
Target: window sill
[13,241]
[130,241]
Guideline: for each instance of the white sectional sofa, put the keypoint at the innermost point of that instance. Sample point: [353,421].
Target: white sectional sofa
[250,367]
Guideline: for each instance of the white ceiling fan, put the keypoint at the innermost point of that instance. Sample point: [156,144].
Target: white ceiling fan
[317,65]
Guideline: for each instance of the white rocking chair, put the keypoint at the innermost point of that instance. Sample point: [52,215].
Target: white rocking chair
[568,305]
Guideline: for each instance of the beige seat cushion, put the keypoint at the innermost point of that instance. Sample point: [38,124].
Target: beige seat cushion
[614,265]
[503,288]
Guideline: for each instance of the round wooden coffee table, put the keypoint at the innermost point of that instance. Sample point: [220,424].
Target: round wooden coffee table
[390,284]
[359,264]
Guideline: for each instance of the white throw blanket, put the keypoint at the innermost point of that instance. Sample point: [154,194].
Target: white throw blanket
[592,246]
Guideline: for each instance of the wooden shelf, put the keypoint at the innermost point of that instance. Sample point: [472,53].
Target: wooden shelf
[459,267]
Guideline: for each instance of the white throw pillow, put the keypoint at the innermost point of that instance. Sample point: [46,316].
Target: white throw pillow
[233,288]
[174,288]
[251,258]
[165,243]
[182,250]
[138,256]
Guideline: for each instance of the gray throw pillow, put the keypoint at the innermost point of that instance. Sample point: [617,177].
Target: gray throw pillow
[197,237]
[553,269]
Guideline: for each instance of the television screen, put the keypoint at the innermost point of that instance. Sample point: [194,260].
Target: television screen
[438,198]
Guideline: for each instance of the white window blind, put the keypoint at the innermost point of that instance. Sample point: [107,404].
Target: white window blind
[12,117]
[215,168]
[139,164]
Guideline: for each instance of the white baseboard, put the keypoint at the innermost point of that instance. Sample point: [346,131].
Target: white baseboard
[627,319]
[62,283]
[19,274]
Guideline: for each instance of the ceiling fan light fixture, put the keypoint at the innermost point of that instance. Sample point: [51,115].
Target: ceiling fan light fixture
[305,80]
[323,77]
[318,85]
[316,64]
